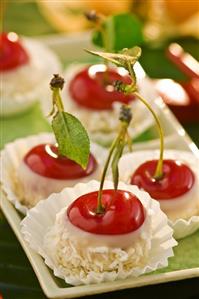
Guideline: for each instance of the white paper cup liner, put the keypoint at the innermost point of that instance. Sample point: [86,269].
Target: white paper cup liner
[29,83]
[102,125]
[42,217]
[182,226]
[12,155]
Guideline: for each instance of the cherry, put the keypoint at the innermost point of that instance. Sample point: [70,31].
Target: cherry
[177,179]
[12,53]
[93,88]
[44,160]
[123,213]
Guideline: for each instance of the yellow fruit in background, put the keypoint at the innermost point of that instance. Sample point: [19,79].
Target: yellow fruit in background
[181,10]
[110,6]
[63,15]
[68,15]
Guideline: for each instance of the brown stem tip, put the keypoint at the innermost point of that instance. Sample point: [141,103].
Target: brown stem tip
[57,81]
[125,114]
[91,16]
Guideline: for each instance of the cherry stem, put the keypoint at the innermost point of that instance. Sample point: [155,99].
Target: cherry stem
[106,43]
[159,168]
[100,208]
[125,118]
[57,99]
[98,20]
[132,73]
[56,84]
[129,142]
[132,88]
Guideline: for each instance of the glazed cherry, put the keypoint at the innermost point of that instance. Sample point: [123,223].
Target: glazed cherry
[123,213]
[12,53]
[177,179]
[93,88]
[44,160]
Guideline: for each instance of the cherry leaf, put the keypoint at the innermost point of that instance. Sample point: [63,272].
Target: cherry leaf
[122,30]
[72,138]
[120,59]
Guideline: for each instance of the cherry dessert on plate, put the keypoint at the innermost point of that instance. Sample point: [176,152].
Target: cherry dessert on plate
[92,88]
[25,68]
[43,171]
[176,180]
[13,54]
[176,190]
[39,165]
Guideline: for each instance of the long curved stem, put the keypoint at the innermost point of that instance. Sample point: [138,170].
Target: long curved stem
[159,168]
[105,39]
[132,73]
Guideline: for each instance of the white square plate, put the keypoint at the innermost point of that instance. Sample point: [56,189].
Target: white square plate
[176,138]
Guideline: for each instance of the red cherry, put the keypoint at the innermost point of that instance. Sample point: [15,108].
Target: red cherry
[45,161]
[177,179]
[12,53]
[123,213]
[93,88]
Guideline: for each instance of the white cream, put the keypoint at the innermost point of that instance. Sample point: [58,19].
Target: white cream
[28,83]
[183,206]
[103,124]
[86,239]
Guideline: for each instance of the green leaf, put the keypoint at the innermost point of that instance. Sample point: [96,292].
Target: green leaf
[123,30]
[131,57]
[97,39]
[72,138]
